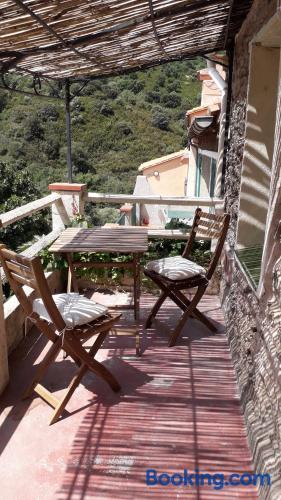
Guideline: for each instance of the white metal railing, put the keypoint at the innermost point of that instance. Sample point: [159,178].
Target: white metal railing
[152,199]
[161,201]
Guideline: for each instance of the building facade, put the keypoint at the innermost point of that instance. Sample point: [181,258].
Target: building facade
[191,172]
[251,290]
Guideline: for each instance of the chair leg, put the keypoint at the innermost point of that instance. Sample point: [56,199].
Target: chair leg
[70,390]
[43,367]
[74,345]
[87,364]
[189,311]
[78,377]
[100,370]
[155,309]
[196,313]
[106,374]
[201,317]
[74,384]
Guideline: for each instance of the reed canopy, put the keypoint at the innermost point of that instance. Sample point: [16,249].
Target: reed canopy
[91,38]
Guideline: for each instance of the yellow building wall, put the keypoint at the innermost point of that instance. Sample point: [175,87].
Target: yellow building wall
[171,178]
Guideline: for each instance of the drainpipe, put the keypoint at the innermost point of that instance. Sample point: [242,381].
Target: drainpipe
[222,85]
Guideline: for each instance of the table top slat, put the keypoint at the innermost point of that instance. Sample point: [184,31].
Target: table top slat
[121,239]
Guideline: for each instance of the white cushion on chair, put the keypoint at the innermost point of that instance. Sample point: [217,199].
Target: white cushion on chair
[175,268]
[74,308]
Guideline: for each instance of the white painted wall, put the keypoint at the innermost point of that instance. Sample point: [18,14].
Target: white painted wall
[258,152]
[157,214]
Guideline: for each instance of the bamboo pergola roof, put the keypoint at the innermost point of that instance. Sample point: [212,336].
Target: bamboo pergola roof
[71,38]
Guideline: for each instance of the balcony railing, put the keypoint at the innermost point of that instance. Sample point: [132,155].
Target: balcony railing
[65,201]
[133,208]
[153,199]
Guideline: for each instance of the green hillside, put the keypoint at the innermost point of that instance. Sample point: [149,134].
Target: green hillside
[117,123]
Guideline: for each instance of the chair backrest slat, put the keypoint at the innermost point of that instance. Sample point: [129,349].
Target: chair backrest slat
[209,233]
[45,294]
[22,271]
[212,226]
[214,217]
[189,244]
[19,269]
[23,280]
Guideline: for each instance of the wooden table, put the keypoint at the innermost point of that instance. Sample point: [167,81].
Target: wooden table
[120,239]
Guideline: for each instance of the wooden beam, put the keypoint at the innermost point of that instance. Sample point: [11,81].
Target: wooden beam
[34,249]
[42,243]
[26,210]
[168,234]
[103,265]
[62,212]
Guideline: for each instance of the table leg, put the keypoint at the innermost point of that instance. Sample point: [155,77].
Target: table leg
[71,278]
[137,278]
[138,350]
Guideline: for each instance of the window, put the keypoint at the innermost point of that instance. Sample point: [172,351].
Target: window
[205,173]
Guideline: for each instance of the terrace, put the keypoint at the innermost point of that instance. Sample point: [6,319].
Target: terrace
[168,410]
[178,408]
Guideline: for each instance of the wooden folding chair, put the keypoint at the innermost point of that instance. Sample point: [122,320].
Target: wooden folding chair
[173,275]
[24,271]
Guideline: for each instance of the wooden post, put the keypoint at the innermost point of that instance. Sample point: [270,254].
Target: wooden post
[4,368]
[68,130]
[73,199]
[127,211]
[140,213]
[137,285]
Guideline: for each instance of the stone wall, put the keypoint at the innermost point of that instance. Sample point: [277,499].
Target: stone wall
[256,353]
[253,326]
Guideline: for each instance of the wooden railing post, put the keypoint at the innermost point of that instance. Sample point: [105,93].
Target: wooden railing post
[4,368]
[72,202]
[127,211]
[140,211]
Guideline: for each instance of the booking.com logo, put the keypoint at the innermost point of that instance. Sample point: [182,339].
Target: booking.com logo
[217,480]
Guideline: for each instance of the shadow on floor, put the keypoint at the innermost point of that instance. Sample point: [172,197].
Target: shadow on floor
[177,409]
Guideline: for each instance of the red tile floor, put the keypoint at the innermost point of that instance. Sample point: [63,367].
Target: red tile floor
[178,409]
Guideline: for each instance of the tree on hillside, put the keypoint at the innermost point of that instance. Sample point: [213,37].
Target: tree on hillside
[160,120]
[16,189]
[117,123]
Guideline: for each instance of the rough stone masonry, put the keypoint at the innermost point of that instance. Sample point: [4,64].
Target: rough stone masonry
[254,329]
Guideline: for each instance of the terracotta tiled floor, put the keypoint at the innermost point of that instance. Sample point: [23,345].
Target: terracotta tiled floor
[178,409]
